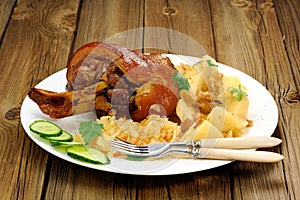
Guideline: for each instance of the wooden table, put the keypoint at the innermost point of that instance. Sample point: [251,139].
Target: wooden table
[258,37]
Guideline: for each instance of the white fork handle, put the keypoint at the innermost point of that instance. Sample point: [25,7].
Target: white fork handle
[240,155]
[240,143]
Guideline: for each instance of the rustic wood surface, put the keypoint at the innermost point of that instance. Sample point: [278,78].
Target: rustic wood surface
[258,37]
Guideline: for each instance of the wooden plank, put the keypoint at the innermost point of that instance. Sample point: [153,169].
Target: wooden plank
[262,40]
[238,42]
[210,184]
[126,186]
[6,9]
[287,13]
[282,51]
[111,21]
[253,43]
[64,180]
[152,188]
[69,181]
[35,45]
[185,27]
[192,18]
[100,20]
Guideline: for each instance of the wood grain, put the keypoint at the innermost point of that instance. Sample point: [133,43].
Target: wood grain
[181,27]
[6,9]
[259,37]
[192,20]
[289,93]
[34,46]
[238,43]
[253,43]
[99,21]
[288,20]
[115,21]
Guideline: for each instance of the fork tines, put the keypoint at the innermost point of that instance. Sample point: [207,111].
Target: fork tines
[127,147]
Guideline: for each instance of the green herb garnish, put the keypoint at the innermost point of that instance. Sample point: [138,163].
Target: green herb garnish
[211,64]
[181,81]
[237,93]
[135,158]
[89,130]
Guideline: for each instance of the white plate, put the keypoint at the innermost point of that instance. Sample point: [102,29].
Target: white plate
[262,110]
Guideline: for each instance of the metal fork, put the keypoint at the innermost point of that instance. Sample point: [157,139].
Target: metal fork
[208,148]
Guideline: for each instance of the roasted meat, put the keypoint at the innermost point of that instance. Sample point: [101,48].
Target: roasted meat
[113,80]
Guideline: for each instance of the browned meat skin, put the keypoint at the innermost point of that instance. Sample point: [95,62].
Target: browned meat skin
[96,69]
[56,105]
[153,98]
[97,59]
[64,104]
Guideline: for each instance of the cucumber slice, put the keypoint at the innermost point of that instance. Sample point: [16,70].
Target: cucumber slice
[65,144]
[87,154]
[45,128]
[64,137]
[102,157]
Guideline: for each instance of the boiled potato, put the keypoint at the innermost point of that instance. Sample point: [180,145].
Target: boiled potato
[225,120]
[231,104]
[239,108]
[193,76]
[207,130]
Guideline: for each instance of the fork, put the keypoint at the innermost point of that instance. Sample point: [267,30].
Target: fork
[235,149]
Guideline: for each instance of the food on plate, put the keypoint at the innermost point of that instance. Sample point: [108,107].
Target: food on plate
[63,140]
[235,95]
[202,112]
[143,98]
[111,80]
[87,154]
[45,128]
[63,104]
[207,130]
[225,120]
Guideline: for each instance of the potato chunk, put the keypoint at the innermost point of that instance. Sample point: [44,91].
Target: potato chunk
[239,108]
[225,120]
[207,130]
[231,104]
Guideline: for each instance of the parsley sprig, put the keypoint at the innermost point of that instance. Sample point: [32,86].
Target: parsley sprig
[181,81]
[237,93]
[211,64]
[89,130]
